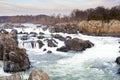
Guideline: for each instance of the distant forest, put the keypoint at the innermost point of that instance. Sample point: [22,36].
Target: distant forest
[99,13]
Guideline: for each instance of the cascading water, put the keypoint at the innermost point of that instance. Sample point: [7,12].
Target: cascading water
[96,63]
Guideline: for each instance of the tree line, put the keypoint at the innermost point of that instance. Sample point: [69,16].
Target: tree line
[98,13]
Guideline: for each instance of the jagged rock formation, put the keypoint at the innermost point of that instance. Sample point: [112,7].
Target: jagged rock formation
[14,58]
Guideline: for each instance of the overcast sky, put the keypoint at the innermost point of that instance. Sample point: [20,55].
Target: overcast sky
[49,7]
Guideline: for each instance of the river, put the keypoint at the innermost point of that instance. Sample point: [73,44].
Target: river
[96,63]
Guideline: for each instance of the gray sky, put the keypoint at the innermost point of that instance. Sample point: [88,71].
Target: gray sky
[49,7]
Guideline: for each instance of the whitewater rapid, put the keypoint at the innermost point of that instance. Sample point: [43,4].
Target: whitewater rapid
[96,63]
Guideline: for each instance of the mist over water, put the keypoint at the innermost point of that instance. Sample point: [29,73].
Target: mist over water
[96,63]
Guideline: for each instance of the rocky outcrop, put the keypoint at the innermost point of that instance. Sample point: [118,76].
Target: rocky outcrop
[75,44]
[38,75]
[71,29]
[100,28]
[12,77]
[14,58]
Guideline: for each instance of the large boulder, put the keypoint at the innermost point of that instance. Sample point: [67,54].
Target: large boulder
[12,77]
[16,60]
[78,44]
[38,75]
[75,44]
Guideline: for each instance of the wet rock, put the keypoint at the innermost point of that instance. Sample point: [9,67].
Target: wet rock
[71,29]
[25,37]
[45,28]
[44,49]
[1,50]
[38,75]
[68,37]
[40,43]
[13,35]
[63,49]
[41,33]
[57,36]
[15,76]
[51,43]
[3,31]
[118,60]
[32,44]
[49,52]
[16,60]
[33,34]
[8,26]
[40,37]
[77,44]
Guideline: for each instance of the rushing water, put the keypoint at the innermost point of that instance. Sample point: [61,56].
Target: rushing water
[96,63]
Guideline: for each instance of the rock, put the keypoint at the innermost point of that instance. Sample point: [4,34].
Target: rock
[68,37]
[44,49]
[67,28]
[49,51]
[16,60]
[77,44]
[63,49]
[41,33]
[13,35]
[25,37]
[38,75]
[3,31]
[40,37]
[1,50]
[40,43]
[33,34]
[8,26]
[32,44]
[51,43]
[57,36]
[118,60]
[15,76]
